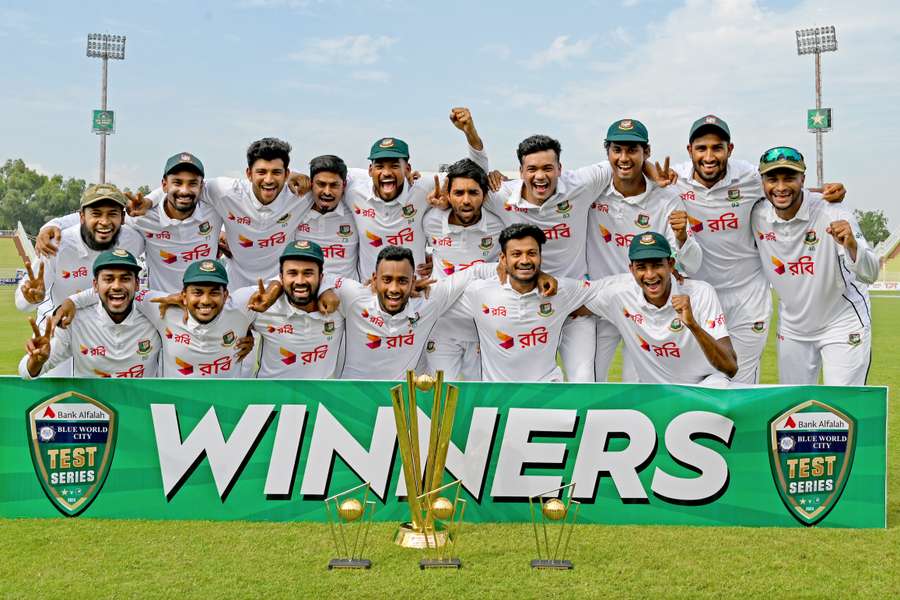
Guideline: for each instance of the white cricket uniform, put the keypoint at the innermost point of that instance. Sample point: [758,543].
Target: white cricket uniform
[336,233]
[563,218]
[662,349]
[824,316]
[379,223]
[297,344]
[453,344]
[613,221]
[719,220]
[519,334]
[100,347]
[69,272]
[257,233]
[384,346]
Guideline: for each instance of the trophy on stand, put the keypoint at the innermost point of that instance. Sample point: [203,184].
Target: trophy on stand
[433,519]
[353,512]
[554,514]
[445,516]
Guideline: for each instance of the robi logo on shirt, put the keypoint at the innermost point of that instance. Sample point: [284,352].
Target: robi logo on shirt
[506,341]
[185,368]
[374,341]
[805,265]
[289,357]
[374,240]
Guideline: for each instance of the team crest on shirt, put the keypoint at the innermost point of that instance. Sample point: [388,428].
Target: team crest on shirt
[328,328]
[283,219]
[564,207]
[344,230]
[854,339]
[228,339]
[486,243]
[642,221]
[676,325]
[409,211]
[144,347]
[204,228]
[545,309]
[429,347]
[734,195]
[811,239]
[758,327]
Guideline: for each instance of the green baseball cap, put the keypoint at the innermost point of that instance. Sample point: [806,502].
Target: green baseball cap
[627,130]
[184,160]
[103,191]
[649,245]
[117,258]
[303,250]
[710,122]
[205,271]
[389,148]
[781,157]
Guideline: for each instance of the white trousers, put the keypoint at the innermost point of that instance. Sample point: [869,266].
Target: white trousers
[459,360]
[608,338]
[748,311]
[576,348]
[844,361]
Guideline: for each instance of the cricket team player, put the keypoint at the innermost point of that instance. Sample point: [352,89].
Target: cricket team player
[110,340]
[631,205]
[818,262]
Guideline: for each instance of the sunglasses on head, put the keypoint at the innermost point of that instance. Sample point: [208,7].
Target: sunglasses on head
[780,153]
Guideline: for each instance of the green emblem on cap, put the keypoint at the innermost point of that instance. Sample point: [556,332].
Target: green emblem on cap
[301,245]
[646,240]
[208,266]
[124,253]
[185,157]
[228,339]
[72,439]
[386,143]
[642,221]
[546,309]
[676,325]
[626,125]
[144,347]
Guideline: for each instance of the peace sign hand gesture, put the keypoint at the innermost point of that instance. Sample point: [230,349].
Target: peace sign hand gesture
[38,347]
[33,288]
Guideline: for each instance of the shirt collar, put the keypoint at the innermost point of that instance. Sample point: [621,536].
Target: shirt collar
[508,287]
[106,320]
[646,304]
[634,200]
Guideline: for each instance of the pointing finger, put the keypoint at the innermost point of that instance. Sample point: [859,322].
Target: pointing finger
[34,327]
[30,271]
[262,289]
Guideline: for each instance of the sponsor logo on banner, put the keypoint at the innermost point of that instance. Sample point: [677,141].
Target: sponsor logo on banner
[811,449]
[72,438]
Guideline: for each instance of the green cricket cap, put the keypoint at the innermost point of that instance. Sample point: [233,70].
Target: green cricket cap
[303,250]
[103,191]
[627,130]
[117,258]
[389,148]
[709,123]
[649,245]
[183,160]
[205,271]
[781,157]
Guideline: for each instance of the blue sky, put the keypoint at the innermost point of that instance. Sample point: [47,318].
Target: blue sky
[330,77]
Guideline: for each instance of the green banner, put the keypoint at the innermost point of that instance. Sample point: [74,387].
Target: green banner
[273,450]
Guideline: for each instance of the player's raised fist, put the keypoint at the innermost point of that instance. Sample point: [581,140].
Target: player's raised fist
[842,234]
[682,305]
[461,117]
[47,240]
[33,288]
[678,221]
[137,204]
[833,192]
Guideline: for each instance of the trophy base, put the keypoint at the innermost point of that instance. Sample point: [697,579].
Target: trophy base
[558,565]
[349,563]
[440,563]
[409,537]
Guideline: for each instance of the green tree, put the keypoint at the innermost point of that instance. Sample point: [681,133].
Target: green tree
[873,224]
[32,198]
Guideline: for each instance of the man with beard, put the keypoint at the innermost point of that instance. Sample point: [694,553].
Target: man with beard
[631,205]
[518,329]
[460,237]
[100,228]
[114,341]
[298,341]
[386,328]
[200,340]
[816,258]
[674,332]
[177,232]
[718,194]
[329,223]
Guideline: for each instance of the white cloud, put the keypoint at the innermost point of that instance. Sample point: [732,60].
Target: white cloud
[353,50]
[559,52]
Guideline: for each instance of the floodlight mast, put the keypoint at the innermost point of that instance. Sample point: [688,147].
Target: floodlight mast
[105,47]
[817,40]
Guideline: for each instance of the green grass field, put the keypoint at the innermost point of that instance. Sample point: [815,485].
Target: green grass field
[75,558]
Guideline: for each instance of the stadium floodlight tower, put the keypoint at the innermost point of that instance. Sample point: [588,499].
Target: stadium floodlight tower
[817,40]
[104,46]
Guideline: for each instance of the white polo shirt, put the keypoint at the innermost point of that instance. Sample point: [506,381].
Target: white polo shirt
[72,269]
[336,233]
[519,333]
[297,344]
[615,219]
[719,220]
[100,347]
[562,217]
[257,233]
[662,348]
[822,293]
[384,346]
